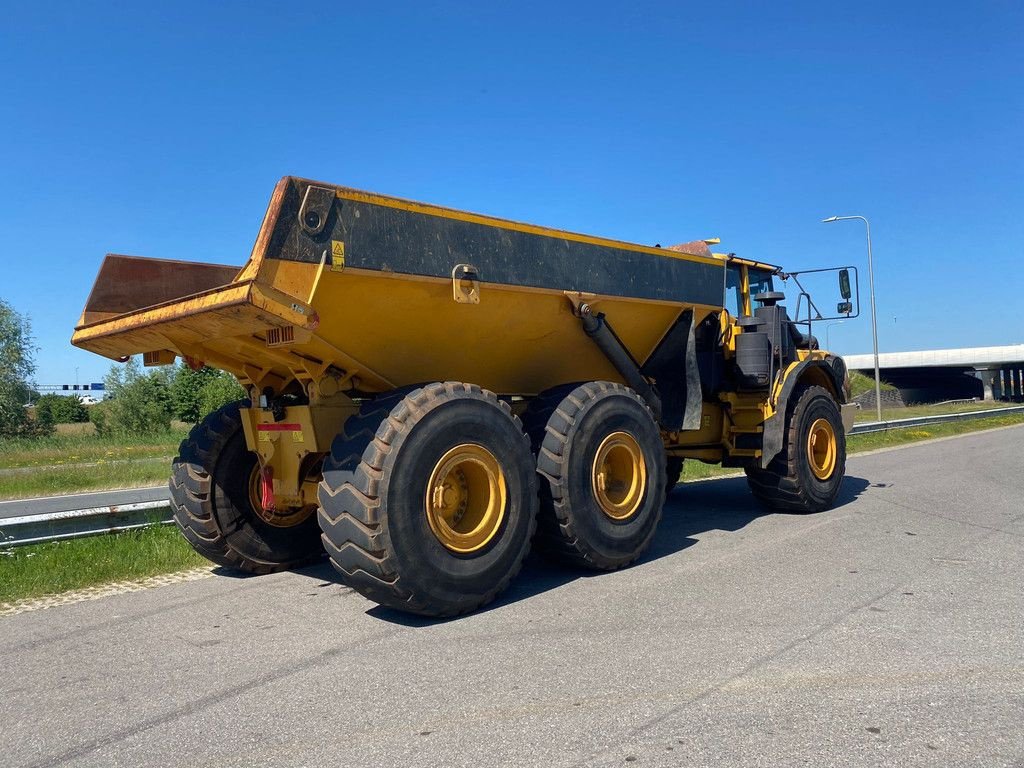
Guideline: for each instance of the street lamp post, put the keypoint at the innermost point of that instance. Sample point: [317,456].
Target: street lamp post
[828,328]
[874,322]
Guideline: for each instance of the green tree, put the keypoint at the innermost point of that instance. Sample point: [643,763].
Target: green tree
[186,391]
[221,389]
[137,403]
[17,365]
[61,409]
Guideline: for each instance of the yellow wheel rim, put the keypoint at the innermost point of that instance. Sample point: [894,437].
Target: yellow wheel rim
[821,449]
[619,476]
[466,497]
[279,518]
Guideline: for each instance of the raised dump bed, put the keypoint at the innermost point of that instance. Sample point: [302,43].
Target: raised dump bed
[370,292]
[611,361]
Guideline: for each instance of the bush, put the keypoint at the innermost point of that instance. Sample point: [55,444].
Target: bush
[60,409]
[187,391]
[197,393]
[137,403]
[99,415]
[221,389]
[31,427]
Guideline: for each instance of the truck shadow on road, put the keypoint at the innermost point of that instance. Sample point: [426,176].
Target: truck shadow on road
[692,509]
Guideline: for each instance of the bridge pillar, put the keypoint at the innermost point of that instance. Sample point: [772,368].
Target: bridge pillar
[990,382]
[1013,383]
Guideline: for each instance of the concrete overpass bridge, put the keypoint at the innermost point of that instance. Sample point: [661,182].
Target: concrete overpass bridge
[992,373]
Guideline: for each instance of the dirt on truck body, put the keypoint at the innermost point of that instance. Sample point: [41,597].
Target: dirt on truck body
[431,391]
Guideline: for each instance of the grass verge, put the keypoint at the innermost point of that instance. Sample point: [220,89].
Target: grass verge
[910,411]
[869,442]
[59,566]
[81,446]
[57,480]
[54,567]
[75,461]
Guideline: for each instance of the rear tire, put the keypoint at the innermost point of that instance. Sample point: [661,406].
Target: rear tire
[602,466]
[806,474]
[429,499]
[211,501]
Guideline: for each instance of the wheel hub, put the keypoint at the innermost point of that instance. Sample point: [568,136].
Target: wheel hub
[279,518]
[822,449]
[465,500]
[619,476]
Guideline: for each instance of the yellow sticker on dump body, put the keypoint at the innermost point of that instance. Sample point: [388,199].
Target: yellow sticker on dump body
[337,255]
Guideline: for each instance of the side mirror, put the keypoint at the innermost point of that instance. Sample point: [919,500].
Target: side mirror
[844,284]
[844,308]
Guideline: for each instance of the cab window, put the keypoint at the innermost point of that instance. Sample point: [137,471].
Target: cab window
[760,282]
[734,290]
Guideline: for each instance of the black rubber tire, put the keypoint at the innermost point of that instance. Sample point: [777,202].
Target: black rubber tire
[673,473]
[788,483]
[571,525]
[211,505]
[375,529]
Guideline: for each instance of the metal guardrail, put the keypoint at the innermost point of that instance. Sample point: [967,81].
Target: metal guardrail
[75,523]
[70,524]
[920,421]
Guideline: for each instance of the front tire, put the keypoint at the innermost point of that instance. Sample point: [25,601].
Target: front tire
[429,499]
[212,501]
[806,474]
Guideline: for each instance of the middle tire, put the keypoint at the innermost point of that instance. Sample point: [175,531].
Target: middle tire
[429,499]
[602,464]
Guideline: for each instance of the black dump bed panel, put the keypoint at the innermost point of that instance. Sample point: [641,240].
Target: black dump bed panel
[388,234]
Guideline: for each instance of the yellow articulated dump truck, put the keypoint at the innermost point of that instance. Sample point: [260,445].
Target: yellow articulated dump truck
[432,391]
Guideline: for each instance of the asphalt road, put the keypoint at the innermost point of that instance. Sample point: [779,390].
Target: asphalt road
[885,632]
[46,504]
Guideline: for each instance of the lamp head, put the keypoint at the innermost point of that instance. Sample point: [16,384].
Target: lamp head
[830,218]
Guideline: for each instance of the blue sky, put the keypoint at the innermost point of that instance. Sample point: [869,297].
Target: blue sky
[160,131]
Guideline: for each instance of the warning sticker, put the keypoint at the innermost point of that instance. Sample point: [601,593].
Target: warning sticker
[337,255]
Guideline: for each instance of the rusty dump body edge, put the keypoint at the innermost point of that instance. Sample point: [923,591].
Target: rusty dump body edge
[359,286]
[129,283]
